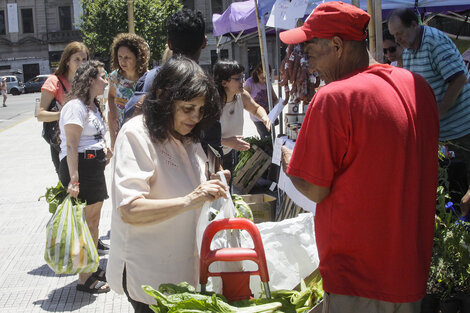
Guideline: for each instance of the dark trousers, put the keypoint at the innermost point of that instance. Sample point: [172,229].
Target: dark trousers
[55,158]
[139,307]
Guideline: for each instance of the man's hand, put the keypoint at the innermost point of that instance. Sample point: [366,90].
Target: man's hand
[465,203]
[285,157]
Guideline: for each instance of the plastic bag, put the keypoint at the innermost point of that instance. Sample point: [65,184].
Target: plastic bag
[70,249]
[220,208]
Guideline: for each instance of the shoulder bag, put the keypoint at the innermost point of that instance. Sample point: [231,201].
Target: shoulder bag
[50,130]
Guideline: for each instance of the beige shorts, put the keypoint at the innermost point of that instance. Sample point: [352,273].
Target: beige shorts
[333,303]
[3,92]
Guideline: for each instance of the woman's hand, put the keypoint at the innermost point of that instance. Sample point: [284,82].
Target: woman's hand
[208,191]
[266,122]
[236,142]
[73,189]
[109,155]
[226,173]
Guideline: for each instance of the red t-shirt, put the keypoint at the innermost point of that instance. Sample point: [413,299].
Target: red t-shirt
[372,138]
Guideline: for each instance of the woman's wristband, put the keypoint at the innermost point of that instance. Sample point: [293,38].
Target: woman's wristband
[74,183]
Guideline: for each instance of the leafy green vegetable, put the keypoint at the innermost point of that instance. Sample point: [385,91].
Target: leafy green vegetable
[242,209]
[188,301]
[55,196]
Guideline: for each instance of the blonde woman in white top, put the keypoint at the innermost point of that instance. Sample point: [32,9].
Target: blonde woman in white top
[229,77]
[159,183]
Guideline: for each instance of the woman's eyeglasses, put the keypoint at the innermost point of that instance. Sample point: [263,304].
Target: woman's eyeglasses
[391,49]
[238,79]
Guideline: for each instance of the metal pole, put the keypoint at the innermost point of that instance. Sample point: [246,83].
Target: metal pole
[265,63]
[379,55]
[372,39]
[130,15]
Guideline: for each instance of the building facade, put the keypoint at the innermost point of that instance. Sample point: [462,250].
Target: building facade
[33,34]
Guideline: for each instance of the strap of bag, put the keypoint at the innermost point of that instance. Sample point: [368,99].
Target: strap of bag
[65,89]
[54,101]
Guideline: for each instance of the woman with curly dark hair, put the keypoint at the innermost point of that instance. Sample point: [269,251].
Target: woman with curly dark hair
[129,58]
[160,184]
[84,155]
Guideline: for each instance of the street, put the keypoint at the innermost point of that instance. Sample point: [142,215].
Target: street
[26,282]
[18,109]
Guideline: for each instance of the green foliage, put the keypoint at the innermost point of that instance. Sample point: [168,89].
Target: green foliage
[102,20]
[242,209]
[55,196]
[182,298]
[450,263]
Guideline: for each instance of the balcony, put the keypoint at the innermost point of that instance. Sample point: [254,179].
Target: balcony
[64,36]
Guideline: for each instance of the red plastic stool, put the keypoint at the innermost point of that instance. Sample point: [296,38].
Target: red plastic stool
[231,290]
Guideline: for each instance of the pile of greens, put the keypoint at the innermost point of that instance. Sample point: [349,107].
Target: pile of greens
[184,298]
[55,196]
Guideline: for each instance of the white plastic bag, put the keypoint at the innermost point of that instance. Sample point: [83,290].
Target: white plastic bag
[221,208]
[70,249]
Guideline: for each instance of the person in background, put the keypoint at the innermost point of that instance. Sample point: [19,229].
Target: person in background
[392,51]
[256,87]
[186,36]
[229,77]
[130,56]
[432,54]
[3,91]
[58,85]
[84,155]
[369,159]
[159,183]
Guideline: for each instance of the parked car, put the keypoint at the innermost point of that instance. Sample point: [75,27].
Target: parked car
[35,83]
[14,85]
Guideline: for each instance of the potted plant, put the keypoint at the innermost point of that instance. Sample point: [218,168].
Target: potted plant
[448,285]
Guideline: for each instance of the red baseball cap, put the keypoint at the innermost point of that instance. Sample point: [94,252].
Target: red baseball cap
[330,19]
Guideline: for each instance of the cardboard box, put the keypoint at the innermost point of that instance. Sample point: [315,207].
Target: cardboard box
[263,207]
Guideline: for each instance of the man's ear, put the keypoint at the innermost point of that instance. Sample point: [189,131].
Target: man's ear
[338,46]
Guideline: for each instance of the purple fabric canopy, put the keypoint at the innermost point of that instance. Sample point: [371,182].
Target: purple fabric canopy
[238,16]
[242,15]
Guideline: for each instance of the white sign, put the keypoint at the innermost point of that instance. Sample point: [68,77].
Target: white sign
[12,11]
[279,17]
[277,154]
[297,8]
[276,111]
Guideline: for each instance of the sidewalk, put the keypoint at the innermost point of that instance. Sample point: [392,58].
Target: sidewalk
[26,282]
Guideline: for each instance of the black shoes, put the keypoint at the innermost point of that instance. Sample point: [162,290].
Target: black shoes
[102,248]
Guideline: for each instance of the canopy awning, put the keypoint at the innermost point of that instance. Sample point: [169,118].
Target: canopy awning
[241,16]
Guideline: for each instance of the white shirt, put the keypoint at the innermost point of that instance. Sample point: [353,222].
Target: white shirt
[231,120]
[92,137]
[158,253]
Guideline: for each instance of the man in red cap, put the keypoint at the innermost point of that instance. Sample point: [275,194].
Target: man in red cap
[367,154]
